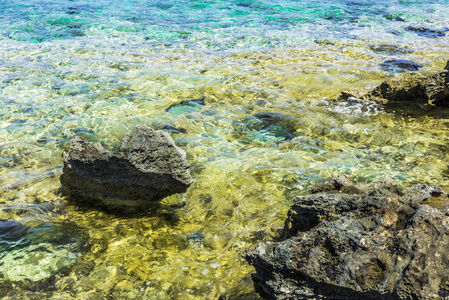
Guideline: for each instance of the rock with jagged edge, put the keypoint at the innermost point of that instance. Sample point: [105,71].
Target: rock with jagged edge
[351,241]
[412,91]
[146,167]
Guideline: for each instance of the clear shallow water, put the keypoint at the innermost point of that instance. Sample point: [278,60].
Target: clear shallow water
[266,132]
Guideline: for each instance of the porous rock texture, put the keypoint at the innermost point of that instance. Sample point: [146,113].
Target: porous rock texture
[414,91]
[146,167]
[358,241]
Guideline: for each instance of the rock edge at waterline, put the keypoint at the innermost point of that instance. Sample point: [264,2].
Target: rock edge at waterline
[146,167]
[358,241]
[413,91]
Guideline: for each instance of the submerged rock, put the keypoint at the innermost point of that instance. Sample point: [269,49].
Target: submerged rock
[400,65]
[265,127]
[427,32]
[173,129]
[410,91]
[187,106]
[11,230]
[35,254]
[394,18]
[358,241]
[389,48]
[146,167]
[196,240]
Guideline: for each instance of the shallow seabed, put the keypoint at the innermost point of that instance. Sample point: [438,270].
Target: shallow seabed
[262,130]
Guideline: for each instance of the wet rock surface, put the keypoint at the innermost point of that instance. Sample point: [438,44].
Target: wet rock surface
[146,167]
[358,241]
[410,91]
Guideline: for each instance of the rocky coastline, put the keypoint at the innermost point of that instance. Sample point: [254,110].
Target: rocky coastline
[358,241]
[349,240]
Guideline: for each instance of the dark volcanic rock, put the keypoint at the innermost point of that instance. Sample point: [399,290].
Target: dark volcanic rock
[146,167]
[410,91]
[358,241]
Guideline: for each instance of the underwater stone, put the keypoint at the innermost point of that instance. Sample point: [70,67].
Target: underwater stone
[173,129]
[389,48]
[269,119]
[273,133]
[196,240]
[34,254]
[266,127]
[35,262]
[394,18]
[11,230]
[187,106]
[427,32]
[357,241]
[275,127]
[146,167]
[400,65]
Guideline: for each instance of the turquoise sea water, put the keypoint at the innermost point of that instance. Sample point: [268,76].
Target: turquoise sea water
[244,87]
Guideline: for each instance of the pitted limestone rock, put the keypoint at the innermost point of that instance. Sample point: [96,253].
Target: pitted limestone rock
[358,241]
[146,167]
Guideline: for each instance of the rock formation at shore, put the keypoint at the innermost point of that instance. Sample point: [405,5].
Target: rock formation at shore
[146,167]
[358,241]
[411,90]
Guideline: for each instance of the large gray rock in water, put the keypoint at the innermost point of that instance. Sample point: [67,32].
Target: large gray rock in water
[146,167]
[358,241]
